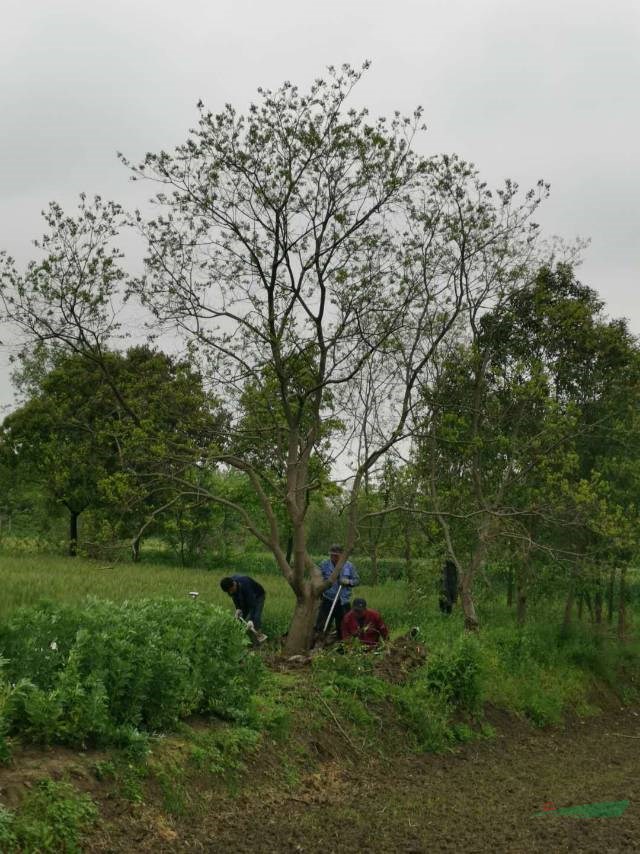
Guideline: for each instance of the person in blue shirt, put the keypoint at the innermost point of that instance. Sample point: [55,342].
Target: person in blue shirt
[348,579]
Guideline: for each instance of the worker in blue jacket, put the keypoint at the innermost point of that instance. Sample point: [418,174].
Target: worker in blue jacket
[348,579]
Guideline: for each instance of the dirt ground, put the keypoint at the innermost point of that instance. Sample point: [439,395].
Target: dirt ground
[482,798]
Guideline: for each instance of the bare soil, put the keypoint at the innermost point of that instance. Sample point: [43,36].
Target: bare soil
[481,798]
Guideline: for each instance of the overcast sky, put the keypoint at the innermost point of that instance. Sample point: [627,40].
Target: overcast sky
[523,89]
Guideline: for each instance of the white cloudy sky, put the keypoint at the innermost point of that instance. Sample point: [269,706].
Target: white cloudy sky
[524,89]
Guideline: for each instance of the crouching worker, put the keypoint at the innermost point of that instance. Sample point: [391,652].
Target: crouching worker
[363,623]
[248,597]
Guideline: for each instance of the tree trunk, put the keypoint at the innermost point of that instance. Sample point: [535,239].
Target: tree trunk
[301,630]
[587,598]
[521,608]
[225,527]
[522,577]
[289,547]
[374,565]
[598,603]
[568,607]
[622,611]
[510,588]
[73,533]
[471,622]
[610,594]
[135,550]
[407,557]
[580,604]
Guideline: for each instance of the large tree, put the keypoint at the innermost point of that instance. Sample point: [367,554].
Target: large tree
[306,241]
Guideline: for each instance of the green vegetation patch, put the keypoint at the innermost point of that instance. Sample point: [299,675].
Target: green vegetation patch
[52,817]
[101,673]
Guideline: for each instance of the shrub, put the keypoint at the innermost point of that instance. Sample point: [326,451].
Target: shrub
[97,673]
[427,717]
[454,673]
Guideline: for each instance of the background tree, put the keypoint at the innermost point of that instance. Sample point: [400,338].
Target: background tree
[516,420]
[74,438]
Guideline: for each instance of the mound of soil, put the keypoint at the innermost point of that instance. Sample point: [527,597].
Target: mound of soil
[399,658]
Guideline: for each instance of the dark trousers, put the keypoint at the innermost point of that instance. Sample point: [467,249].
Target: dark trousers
[255,614]
[336,618]
[446,605]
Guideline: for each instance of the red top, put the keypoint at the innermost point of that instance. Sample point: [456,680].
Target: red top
[367,626]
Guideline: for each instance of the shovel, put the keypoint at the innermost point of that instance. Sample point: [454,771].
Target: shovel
[333,605]
[256,636]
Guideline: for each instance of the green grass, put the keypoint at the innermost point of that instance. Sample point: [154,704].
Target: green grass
[27,579]
[535,672]
[52,817]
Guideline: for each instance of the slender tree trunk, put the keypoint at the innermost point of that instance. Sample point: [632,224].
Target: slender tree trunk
[521,604]
[587,598]
[471,622]
[301,630]
[510,588]
[611,593]
[135,550]
[622,610]
[598,602]
[522,587]
[568,606]
[73,533]
[408,564]
[289,547]
[580,604]
[374,565]
[224,534]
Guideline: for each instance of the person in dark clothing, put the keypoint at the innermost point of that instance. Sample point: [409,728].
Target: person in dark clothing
[363,623]
[448,586]
[248,597]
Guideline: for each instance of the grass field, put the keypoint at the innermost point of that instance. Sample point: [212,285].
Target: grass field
[27,579]
[293,727]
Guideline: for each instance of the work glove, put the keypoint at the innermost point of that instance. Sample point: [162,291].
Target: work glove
[238,614]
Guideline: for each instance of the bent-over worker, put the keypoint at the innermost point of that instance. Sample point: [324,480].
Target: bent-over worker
[248,597]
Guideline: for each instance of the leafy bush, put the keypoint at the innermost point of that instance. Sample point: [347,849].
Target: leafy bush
[100,672]
[427,717]
[454,673]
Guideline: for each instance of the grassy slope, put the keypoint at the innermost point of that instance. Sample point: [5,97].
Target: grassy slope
[531,673]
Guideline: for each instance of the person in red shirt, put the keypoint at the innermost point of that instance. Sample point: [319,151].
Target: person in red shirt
[363,623]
